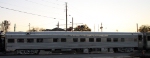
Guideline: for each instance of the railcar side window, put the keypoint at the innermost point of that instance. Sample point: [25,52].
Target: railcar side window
[30,40]
[122,39]
[63,39]
[98,39]
[91,39]
[82,39]
[115,39]
[148,38]
[20,40]
[75,39]
[108,39]
[11,40]
[39,40]
[55,39]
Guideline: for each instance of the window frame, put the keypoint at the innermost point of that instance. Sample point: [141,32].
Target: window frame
[109,40]
[9,40]
[115,39]
[28,40]
[54,39]
[39,40]
[122,40]
[82,39]
[97,39]
[75,39]
[63,40]
[21,40]
[91,39]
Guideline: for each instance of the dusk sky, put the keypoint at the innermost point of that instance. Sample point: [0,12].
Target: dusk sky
[121,15]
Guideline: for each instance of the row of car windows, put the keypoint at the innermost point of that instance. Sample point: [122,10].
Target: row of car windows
[39,40]
[29,40]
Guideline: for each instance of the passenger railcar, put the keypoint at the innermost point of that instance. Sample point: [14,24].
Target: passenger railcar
[75,42]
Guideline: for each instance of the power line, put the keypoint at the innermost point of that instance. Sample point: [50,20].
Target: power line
[25,7]
[43,4]
[28,13]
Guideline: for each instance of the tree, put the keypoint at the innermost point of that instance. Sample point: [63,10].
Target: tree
[82,28]
[54,29]
[40,29]
[69,29]
[5,26]
[144,28]
[35,29]
[57,29]
[46,30]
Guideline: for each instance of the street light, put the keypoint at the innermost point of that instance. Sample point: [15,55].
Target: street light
[72,24]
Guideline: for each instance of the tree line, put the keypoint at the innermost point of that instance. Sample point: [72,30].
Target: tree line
[77,28]
[5,27]
[144,28]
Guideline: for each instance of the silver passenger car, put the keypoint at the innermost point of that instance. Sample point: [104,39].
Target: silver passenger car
[78,42]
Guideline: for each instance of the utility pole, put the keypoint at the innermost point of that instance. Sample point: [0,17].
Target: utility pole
[66,16]
[58,24]
[137,27]
[117,30]
[72,24]
[29,26]
[14,27]
[101,27]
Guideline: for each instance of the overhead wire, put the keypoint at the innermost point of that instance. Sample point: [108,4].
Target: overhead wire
[42,4]
[57,4]
[28,13]
[25,7]
[31,13]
